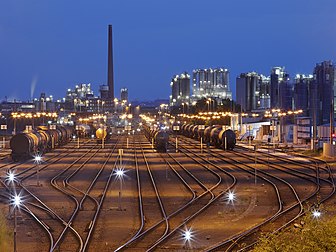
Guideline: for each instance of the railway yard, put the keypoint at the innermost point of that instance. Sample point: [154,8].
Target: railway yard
[126,196]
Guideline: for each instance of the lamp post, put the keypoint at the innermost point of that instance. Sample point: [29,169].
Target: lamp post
[115,105]
[11,178]
[38,160]
[119,173]
[14,117]
[16,201]
[255,164]
[316,214]
[187,237]
[230,197]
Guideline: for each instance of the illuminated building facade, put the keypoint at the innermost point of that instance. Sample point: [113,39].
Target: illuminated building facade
[253,91]
[324,86]
[281,89]
[180,89]
[211,83]
[303,94]
[124,94]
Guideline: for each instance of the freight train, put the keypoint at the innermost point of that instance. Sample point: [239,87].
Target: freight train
[214,135]
[158,137]
[40,140]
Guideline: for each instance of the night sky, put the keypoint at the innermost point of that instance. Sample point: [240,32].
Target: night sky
[54,45]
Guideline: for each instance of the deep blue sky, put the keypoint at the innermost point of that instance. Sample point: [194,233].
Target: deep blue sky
[58,44]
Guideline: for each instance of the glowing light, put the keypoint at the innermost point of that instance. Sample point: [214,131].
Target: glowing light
[119,173]
[230,197]
[11,176]
[16,200]
[316,214]
[187,235]
[38,159]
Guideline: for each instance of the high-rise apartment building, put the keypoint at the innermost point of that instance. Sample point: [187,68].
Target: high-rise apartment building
[180,86]
[211,83]
[253,91]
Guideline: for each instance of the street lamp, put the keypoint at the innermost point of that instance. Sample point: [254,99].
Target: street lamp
[119,173]
[230,197]
[11,179]
[16,201]
[316,214]
[187,236]
[103,103]
[208,105]
[38,160]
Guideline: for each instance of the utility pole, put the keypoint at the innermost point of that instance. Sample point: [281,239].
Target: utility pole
[314,120]
[332,116]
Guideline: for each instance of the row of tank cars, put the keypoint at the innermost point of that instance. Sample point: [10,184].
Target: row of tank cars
[216,135]
[42,139]
[158,137]
[25,145]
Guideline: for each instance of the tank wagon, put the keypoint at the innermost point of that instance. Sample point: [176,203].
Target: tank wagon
[103,132]
[85,130]
[25,145]
[159,138]
[214,135]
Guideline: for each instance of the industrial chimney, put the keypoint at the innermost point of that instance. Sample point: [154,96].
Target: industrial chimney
[110,79]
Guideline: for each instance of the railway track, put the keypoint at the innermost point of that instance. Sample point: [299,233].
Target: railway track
[179,218]
[282,219]
[40,208]
[202,181]
[81,196]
